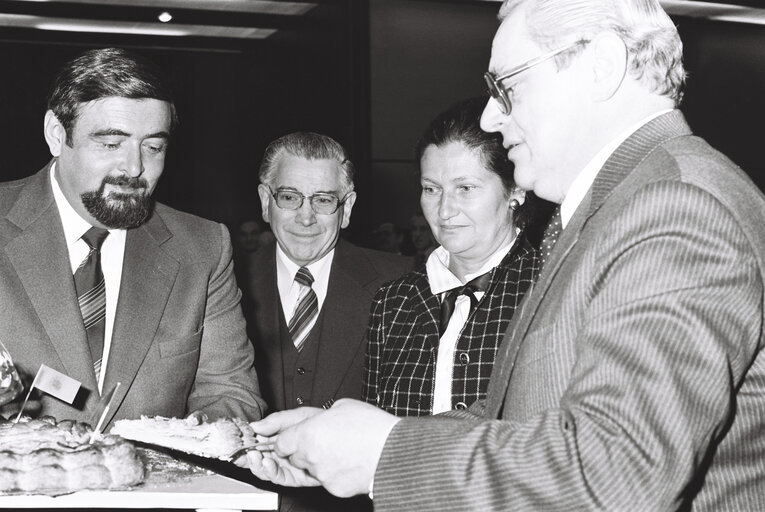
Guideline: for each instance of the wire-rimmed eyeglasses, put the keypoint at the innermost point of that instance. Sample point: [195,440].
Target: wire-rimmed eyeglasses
[323,204]
[498,91]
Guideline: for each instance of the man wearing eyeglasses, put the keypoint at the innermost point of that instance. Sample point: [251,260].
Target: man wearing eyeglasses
[633,378]
[312,291]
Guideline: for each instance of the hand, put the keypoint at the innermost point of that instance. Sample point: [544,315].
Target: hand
[267,465]
[339,447]
[196,418]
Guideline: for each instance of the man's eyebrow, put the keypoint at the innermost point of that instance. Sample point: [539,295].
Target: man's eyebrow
[158,135]
[109,131]
[120,133]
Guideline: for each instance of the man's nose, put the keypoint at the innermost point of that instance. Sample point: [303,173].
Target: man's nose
[492,117]
[133,164]
[305,214]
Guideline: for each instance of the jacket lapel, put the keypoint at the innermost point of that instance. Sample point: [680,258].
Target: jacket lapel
[615,174]
[339,345]
[268,319]
[148,274]
[41,259]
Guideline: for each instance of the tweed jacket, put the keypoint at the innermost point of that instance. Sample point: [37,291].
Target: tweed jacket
[179,342]
[399,371]
[633,377]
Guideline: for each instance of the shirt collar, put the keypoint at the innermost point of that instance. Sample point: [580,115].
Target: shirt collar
[583,181]
[74,225]
[286,268]
[442,279]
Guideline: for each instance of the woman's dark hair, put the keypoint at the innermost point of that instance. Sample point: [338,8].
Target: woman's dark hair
[462,123]
[103,73]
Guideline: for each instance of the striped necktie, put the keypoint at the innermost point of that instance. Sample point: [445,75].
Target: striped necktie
[550,236]
[306,309]
[91,295]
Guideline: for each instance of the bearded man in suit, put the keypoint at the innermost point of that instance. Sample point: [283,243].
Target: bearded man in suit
[634,376]
[306,193]
[165,320]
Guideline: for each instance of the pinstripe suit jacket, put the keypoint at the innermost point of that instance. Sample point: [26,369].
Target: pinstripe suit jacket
[399,371]
[633,378]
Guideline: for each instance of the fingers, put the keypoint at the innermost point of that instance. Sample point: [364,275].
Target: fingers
[196,418]
[278,421]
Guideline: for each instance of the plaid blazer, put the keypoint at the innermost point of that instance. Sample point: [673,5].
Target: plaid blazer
[399,371]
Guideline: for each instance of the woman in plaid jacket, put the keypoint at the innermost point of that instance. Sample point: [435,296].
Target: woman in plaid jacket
[434,332]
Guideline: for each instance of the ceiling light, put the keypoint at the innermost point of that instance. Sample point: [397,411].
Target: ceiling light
[164,17]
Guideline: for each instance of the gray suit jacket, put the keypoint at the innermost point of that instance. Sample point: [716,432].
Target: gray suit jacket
[179,341]
[634,376]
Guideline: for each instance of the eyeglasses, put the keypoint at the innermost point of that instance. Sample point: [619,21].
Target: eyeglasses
[323,204]
[499,93]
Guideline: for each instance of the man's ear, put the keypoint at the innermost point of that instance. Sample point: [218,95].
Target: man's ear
[55,134]
[350,199]
[609,61]
[265,200]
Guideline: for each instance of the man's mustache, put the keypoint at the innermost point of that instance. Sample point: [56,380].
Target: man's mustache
[126,182]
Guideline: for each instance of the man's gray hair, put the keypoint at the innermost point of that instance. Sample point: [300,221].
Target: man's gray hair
[308,145]
[653,43]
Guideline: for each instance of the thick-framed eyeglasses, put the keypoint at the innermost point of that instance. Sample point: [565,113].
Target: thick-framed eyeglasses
[498,91]
[323,204]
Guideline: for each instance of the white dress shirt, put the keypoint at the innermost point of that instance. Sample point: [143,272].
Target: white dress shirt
[583,181]
[112,255]
[441,280]
[289,290]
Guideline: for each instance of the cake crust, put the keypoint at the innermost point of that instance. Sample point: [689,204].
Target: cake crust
[214,439]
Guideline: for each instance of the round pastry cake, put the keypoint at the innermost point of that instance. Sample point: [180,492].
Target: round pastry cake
[43,455]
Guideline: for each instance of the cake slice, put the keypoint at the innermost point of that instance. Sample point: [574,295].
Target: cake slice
[214,439]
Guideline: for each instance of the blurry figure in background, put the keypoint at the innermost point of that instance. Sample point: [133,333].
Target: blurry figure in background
[101,283]
[388,238]
[247,241]
[434,332]
[422,239]
[248,236]
[312,290]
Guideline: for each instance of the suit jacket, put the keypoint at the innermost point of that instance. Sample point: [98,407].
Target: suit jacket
[399,373]
[354,277]
[634,376]
[179,342]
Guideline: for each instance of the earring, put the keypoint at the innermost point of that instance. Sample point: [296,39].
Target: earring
[514,204]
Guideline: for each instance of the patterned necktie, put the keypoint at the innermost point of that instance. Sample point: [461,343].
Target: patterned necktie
[550,236]
[91,294]
[478,284]
[306,309]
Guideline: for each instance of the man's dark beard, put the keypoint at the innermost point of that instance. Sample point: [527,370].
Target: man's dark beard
[120,210]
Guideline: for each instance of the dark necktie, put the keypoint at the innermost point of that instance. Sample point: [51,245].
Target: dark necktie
[478,284]
[550,236]
[91,295]
[306,309]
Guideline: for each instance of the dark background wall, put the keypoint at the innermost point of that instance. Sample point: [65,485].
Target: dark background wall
[370,73]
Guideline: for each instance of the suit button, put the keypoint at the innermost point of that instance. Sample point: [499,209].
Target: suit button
[301,370]
[299,400]
[464,358]
[459,406]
